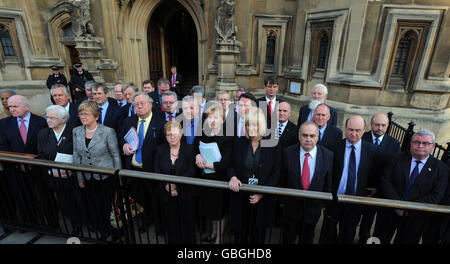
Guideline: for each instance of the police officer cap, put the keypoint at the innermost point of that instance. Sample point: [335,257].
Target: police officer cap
[54,67]
[78,65]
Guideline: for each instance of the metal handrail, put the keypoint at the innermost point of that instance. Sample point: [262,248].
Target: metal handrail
[224,185]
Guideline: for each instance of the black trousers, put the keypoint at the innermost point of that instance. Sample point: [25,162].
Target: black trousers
[294,227]
[346,217]
[409,227]
[99,204]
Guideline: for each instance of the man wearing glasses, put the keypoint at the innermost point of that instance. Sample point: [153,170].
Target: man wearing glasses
[414,176]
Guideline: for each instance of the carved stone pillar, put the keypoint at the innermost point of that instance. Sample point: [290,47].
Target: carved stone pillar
[227,47]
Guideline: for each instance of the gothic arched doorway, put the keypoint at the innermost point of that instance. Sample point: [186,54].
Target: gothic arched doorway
[172,40]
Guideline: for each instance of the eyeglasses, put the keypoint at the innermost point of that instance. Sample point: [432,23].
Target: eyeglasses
[84,114]
[418,143]
[139,104]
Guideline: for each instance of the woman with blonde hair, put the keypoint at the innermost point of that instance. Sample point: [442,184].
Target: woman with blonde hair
[252,164]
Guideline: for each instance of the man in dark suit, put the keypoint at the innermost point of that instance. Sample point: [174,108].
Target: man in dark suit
[319,94]
[170,106]
[163,86]
[198,92]
[414,176]
[287,132]
[245,103]
[148,127]
[55,78]
[120,97]
[306,166]
[77,80]
[128,110]
[270,100]
[328,134]
[61,96]
[175,82]
[386,146]
[353,169]
[109,112]
[19,133]
[192,121]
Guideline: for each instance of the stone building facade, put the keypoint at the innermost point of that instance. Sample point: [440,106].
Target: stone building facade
[373,55]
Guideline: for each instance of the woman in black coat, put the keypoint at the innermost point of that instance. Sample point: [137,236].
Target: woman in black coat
[176,158]
[252,163]
[213,201]
[52,142]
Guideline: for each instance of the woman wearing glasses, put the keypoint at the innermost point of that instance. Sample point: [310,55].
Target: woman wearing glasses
[95,144]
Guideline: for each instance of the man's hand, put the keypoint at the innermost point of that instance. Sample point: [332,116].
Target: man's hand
[254,199]
[127,149]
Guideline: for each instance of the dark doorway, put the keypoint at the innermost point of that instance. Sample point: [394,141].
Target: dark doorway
[172,40]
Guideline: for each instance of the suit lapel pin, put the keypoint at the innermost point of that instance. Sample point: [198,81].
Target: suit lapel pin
[429,169]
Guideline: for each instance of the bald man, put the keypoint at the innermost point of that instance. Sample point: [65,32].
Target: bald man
[386,146]
[19,131]
[286,130]
[354,167]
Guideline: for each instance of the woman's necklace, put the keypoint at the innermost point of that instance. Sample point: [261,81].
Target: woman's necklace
[91,130]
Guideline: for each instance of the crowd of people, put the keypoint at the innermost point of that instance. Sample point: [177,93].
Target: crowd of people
[258,145]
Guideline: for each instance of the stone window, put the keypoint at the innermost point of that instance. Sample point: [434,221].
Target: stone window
[321,35]
[406,55]
[9,52]
[270,50]
[5,42]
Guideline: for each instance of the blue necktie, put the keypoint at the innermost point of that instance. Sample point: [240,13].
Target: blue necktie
[141,142]
[377,142]
[412,179]
[351,176]
[190,139]
[101,113]
[131,111]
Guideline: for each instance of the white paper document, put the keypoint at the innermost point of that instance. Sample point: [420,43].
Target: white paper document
[211,153]
[132,138]
[61,157]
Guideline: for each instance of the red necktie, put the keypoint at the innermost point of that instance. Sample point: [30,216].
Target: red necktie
[170,117]
[270,108]
[305,173]
[23,131]
[173,80]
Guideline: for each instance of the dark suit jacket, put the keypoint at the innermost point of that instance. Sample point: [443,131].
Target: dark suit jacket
[47,144]
[177,88]
[289,136]
[307,209]
[184,166]
[123,113]
[366,171]
[304,112]
[330,136]
[113,101]
[112,117]
[153,138]
[388,146]
[429,186]
[74,119]
[268,116]
[10,139]
[156,106]
[268,173]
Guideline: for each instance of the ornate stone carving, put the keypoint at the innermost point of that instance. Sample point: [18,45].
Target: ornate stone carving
[224,21]
[81,19]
